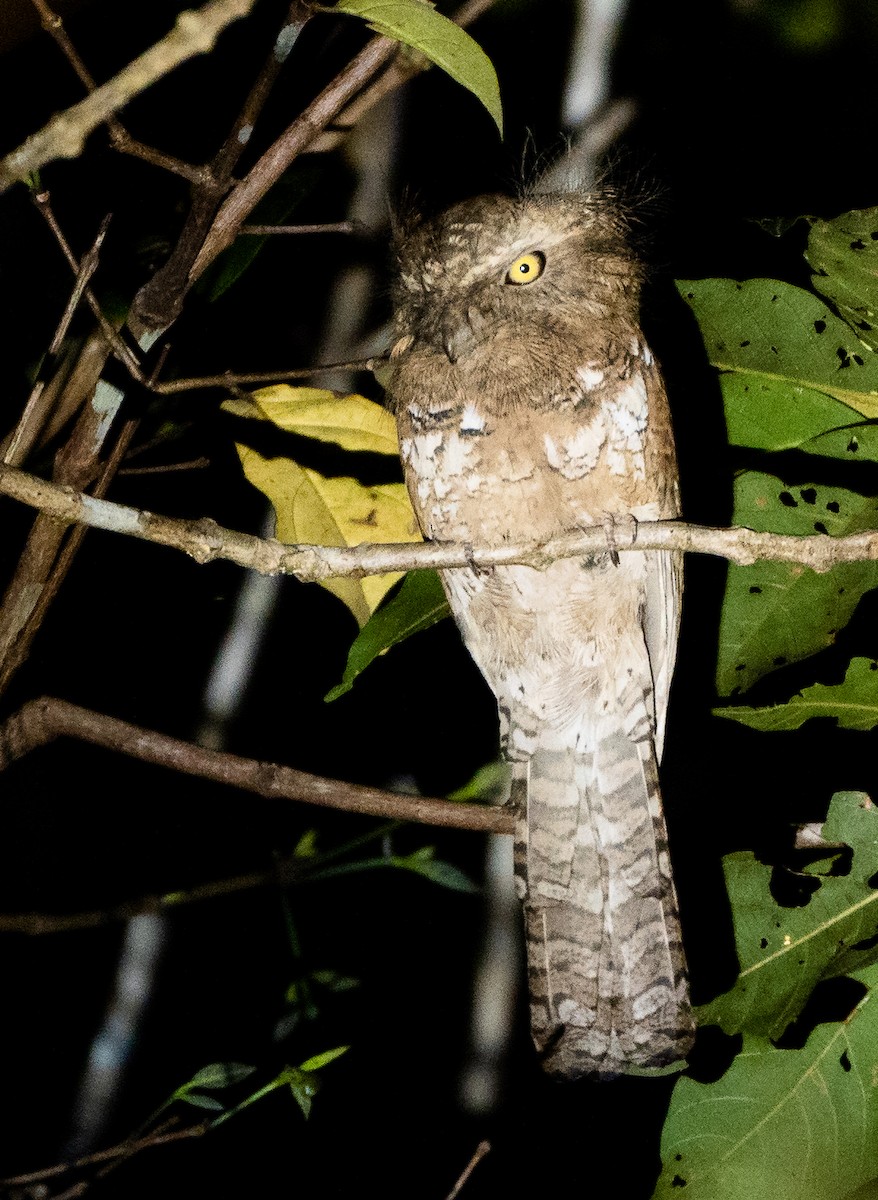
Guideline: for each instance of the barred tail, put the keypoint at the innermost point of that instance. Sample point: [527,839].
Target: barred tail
[607,972]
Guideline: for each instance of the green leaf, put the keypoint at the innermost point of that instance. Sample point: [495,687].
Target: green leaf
[419,603]
[490,783]
[220,1075]
[844,255]
[869,1191]
[306,847]
[854,703]
[197,1101]
[771,414]
[783,952]
[447,45]
[304,1089]
[782,334]
[318,1061]
[786,1124]
[851,442]
[423,862]
[773,612]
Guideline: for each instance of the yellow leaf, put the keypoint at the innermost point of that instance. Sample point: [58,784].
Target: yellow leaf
[352,422]
[315,510]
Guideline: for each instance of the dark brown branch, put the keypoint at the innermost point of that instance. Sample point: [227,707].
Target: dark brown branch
[42,721]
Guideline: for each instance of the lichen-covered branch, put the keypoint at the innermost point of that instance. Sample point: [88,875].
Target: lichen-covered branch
[206,541]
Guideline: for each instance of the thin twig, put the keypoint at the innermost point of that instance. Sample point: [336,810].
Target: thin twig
[159,1137]
[336,227]
[120,137]
[32,419]
[160,300]
[42,721]
[113,339]
[64,136]
[481,1150]
[205,541]
[194,464]
[227,379]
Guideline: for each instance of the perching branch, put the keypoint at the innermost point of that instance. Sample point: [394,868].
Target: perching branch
[205,541]
[42,721]
[64,136]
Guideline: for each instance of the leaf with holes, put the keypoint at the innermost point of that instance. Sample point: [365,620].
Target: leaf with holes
[779,334]
[784,952]
[418,604]
[844,255]
[418,25]
[773,612]
[853,443]
[789,1124]
[854,703]
[315,510]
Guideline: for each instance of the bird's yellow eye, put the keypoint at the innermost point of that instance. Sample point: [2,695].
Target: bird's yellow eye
[526,269]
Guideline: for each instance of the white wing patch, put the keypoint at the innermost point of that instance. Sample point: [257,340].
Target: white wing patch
[471,421]
[590,376]
[627,413]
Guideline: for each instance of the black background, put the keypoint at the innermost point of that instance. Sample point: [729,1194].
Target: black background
[735,122]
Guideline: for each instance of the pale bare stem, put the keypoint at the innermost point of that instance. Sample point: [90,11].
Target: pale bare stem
[227,379]
[34,416]
[41,721]
[64,136]
[481,1150]
[205,541]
